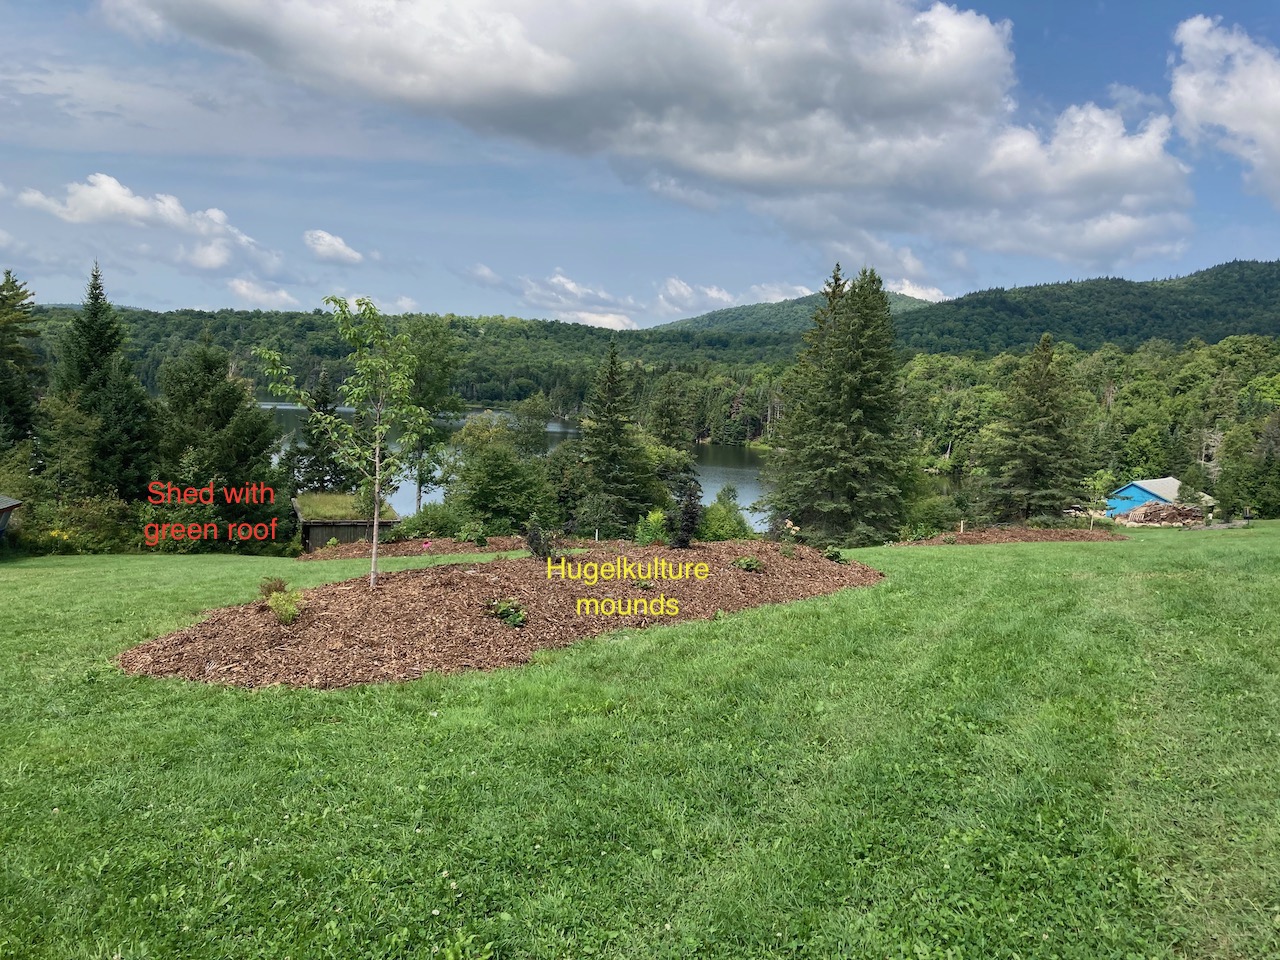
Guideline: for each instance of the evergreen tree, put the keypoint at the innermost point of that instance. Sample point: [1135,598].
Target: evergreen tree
[838,463]
[17,362]
[612,449]
[1037,449]
[95,377]
[313,461]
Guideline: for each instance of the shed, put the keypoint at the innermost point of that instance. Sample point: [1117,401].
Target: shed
[316,533]
[1137,492]
[7,506]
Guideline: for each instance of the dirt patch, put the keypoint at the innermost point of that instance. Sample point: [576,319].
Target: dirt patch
[437,618]
[1012,535]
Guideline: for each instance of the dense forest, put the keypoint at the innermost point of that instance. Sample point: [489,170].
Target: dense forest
[95,400]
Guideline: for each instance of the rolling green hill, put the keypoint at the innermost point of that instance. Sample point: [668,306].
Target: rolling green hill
[1233,298]
[782,316]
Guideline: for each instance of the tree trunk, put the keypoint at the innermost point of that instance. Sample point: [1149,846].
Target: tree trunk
[377,510]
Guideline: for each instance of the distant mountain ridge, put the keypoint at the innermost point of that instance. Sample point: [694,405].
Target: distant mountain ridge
[1240,297]
[780,316]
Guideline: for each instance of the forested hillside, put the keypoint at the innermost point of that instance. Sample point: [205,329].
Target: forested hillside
[1235,298]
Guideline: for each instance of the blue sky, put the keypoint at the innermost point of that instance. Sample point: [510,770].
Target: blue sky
[630,162]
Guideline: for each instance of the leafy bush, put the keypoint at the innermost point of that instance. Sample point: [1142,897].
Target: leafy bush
[934,513]
[834,554]
[723,519]
[271,585]
[433,520]
[919,531]
[88,525]
[652,528]
[331,542]
[510,611]
[788,550]
[472,532]
[287,606]
[749,564]
[949,538]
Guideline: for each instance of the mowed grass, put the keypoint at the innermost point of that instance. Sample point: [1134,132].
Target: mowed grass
[1032,750]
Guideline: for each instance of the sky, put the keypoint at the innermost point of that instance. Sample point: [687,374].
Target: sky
[632,162]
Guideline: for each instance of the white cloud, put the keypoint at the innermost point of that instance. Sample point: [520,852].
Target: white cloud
[910,289]
[903,115]
[404,304]
[1227,87]
[256,294]
[677,297]
[102,199]
[773,292]
[610,321]
[1132,103]
[326,246]
[484,276]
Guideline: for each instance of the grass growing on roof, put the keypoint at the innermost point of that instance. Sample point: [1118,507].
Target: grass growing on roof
[1064,750]
[338,506]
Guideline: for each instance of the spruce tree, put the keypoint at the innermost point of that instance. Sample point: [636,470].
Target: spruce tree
[16,327]
[1037,448]
[839,462]
[611,447]
[97,379]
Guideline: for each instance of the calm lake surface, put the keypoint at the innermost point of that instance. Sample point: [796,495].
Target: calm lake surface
[717,466]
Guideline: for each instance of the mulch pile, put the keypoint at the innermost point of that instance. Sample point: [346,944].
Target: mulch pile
[1011,535]
[437,618]
[1162,514]
[415,548]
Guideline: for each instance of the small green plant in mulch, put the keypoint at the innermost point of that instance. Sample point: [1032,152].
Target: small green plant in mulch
[788,550]
[749,564]
[286,605]
[510,611]
[651,529]
[331,542]
[949,538]
[834,554]
[268,586]
[645,584]
[473,532]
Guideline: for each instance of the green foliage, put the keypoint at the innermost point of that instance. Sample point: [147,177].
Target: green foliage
[838,461]
[788,550]
[312,459]
[651,528]
[433,520]
[835,554]
[472,532]
[722,519]
[510,611]
[331,542]
[1037,450]
[690,516]
[382,391]
[286,605]
[612,449]
[461,947]
[749,564]
[498,488]
[77,525]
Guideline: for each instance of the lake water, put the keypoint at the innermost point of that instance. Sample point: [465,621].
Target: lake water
[717,466]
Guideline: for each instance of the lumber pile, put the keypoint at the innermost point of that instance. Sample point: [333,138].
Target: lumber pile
[1161,514]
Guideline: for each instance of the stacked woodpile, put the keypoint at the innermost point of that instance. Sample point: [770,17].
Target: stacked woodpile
[1162,515]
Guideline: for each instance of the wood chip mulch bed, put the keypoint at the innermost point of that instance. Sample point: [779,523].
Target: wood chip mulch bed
[415,548]
[437,619]
[1012,535]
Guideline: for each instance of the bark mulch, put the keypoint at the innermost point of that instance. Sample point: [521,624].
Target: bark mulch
[1012,535]
[414,548]
[437,619]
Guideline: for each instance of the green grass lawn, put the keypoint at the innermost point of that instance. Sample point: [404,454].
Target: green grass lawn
[1057,750]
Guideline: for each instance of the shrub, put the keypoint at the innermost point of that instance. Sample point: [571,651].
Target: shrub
[271,585]
[788,550]
[949,538]
[287,606]
[472,532]
[723,519]
[749,564]
[331,542]
[510,611]
[433,520]
[935,513]
[540,541]
[834,554]
[652,528]
[918,531]
[689,517]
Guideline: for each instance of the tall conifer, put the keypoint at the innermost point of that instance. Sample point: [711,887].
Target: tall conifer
[838,463]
